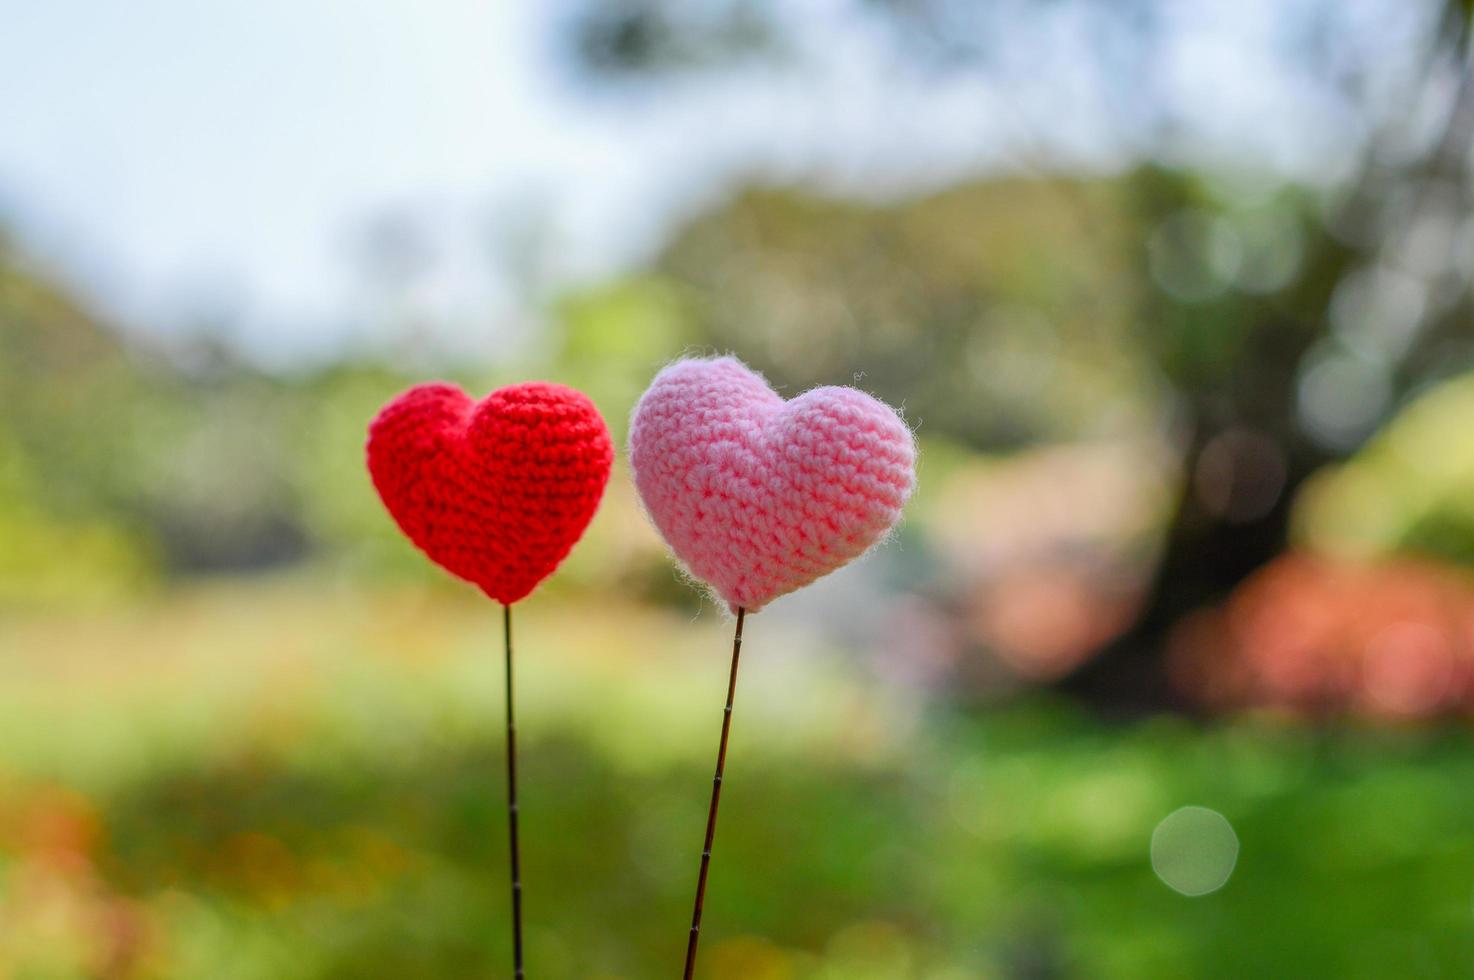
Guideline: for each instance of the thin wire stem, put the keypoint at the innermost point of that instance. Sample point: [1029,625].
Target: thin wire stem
[512,802]
[716,797]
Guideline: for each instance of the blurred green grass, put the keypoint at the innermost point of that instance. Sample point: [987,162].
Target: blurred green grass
[281,779]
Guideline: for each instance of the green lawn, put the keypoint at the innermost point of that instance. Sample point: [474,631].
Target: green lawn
[290,779]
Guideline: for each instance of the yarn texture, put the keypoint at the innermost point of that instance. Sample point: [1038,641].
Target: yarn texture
[758,496]
[495,492]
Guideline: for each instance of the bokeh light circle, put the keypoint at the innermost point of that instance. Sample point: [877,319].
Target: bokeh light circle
[1194,850]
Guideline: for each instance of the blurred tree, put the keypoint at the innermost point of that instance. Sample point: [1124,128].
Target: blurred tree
[168,456]
[637,37]
[982,311]
[60,383]
[1298,376]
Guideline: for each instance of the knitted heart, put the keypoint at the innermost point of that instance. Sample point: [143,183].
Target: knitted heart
[495,492]
[758,496]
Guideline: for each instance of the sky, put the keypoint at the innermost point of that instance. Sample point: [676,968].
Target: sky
[232,164]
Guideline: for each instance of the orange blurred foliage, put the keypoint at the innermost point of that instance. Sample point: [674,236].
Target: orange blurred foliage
[1318,636]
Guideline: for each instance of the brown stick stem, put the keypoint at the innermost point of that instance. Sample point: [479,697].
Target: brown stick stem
[716,797]
[512,803]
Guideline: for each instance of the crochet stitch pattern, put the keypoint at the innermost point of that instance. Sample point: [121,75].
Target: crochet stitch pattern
[496,492]
[758,496]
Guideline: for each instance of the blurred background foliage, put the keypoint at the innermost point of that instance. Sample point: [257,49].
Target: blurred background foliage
[1195,526]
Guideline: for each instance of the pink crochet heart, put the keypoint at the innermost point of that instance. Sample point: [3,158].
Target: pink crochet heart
[758,496]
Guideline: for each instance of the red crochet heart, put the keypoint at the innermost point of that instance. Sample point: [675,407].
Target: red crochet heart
[496,492]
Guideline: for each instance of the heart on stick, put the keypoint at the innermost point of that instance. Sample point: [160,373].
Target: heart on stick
[496,492]
[758,496]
